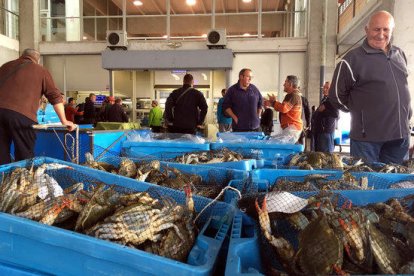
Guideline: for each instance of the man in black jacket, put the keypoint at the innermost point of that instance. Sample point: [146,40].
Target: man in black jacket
[186,108]
[371,83]
[324,123]
[117,113]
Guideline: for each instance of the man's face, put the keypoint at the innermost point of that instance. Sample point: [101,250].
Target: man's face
[245,78]
[325,88]
[286,86]
[93,99]
[379,31]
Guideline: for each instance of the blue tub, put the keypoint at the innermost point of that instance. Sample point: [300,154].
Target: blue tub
[48,249]
[93,141]
[272,153]
[375,180]
[243,257]
[242,135]
[160,149]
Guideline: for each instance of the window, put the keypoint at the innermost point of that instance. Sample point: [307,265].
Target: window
[9,18]
[171,19]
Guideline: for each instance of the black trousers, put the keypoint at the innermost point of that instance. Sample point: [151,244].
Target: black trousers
[16,128]
[174,129]
[156,129]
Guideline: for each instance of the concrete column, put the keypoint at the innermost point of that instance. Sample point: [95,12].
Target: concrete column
[29,24]
[404,26]
[320,43]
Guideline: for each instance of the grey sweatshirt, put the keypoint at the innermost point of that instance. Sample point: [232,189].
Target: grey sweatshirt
[372,86]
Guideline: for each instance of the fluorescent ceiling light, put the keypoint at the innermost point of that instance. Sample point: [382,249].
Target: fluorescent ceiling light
[175,77]
[85,37]
[246,34]
[137,3]
[204,35]
[191,2]
[247,1]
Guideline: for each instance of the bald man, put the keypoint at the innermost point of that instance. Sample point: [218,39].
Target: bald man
[22,83]
[370,82]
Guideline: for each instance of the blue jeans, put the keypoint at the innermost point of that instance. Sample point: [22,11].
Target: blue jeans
[386,152]
[324,142]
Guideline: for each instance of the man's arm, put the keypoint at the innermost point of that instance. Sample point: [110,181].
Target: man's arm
[342,83]
[203,109]
[230,112]
[259,103]
[168,108]
[60,111]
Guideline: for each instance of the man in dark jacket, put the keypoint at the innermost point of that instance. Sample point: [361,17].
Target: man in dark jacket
[371,83]
[89,112]
[186,108]
[324,123]
[117,113]
[266,120]
[305,119]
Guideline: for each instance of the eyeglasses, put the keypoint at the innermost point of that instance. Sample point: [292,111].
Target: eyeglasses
[250,77]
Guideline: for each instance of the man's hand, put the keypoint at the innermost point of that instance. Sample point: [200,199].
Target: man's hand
[321,108]
[70,125]
[200,126]
[236,120]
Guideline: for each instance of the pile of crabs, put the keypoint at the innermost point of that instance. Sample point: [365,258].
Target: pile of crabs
[153,172]
[322,160]
[134,219]
[328,235]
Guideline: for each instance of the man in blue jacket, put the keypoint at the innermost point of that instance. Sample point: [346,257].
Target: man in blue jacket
[243,103]
[224,122]
[371,83]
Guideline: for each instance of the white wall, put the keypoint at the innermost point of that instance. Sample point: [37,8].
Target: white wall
[123,83]
[83,72]
[404,26]
[269,70]
[9,49]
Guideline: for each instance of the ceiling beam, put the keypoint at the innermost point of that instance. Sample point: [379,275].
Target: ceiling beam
[157,6]
[171,7]
[237,6]
[204,6]
[224,6]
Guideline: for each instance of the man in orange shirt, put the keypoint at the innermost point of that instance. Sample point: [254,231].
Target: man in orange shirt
[291,108]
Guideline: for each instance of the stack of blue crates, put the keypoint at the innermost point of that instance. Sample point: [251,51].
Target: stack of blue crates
[34,248]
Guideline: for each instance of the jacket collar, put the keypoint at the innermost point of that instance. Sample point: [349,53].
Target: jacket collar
[369,50]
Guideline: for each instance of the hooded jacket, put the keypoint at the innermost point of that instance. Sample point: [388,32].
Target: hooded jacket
[372,86]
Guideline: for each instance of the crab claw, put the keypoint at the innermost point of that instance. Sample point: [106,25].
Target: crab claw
[264,219]
[189,197]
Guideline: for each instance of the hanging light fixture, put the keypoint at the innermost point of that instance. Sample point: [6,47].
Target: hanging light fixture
[137,3]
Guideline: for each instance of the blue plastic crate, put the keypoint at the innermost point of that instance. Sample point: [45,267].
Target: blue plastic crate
[244,165]
[375,180]
[161,149]
[12,270]
[272,153]
[49,249]
[243,135]
[244,257]
[219,174]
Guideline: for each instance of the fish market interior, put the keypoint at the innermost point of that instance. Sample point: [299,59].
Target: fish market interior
[206,137]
